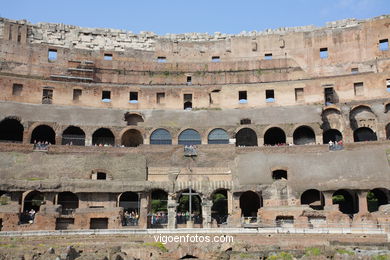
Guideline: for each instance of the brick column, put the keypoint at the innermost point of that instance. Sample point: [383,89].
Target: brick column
[363,207]
[172,204]
[206,212]
[328,200]
[143,210]
[234,219]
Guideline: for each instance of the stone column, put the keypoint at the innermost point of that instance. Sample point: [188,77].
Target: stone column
[49,198]
[234,219]
[26,139]
[172,204]
[143,210]
[289,140]
[206,212]
[363,206]
[58,140]
[328,198]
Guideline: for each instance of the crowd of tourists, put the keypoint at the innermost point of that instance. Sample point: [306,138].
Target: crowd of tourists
[336,145]
[130,219]
[183,217]
[44,145]
[158,218]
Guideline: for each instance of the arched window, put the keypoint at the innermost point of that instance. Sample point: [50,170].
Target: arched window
[189,137]
[160,136]
[246,137]
[133,119]
[364,134]
[347,200]
[103,136]
[250,203]
[314,198]
[279,174]
[43,133]
[304,135]
[11,130]
[219,210]
[73,135]
[376,198]
[274,136]
[218,136]
[132,138]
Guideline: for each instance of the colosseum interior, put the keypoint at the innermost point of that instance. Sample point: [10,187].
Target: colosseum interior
[106,129]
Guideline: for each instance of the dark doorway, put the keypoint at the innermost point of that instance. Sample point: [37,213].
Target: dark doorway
[11,130]
[314,198]
[347,200]
[158,213]
[331,135]
[98,223]
[132,138]
[73,136]
[103,136]
[33,200]
[249,204]
[219,210]
[43,133]
[69,202]
[388,132]
[129,201]
[274,136]
[279,174]
[304,135]
[377,198]
[363,134]
[187,105]
[246,137]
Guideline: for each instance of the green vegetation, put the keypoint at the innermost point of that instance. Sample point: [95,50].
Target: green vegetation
[338,199]
[245,255]
[381,257]
[312,251]
[34,179]
[343,251]
[159,205]
[281,256]
[158,245]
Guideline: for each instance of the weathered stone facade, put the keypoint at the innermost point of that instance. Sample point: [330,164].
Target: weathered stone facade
[258,110]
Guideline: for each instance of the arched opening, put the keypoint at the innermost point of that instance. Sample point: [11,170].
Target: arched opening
[160,136]
[11,130]
[132,138]
[246,137]
[183,208]
[219,210]
[274,136]
[133,119]
[363,134]
[188,105]
[304,135]
[250,203]
[101,176]
[376,198]
[33,201]
[189,137]
[73,135]
[314,198]
[279,174]
[69,202]
[158,217]
[218,136]
[388,131]
[43,133]
[347,200]
[362,116]
[129,201]
[103,136]
[331,135]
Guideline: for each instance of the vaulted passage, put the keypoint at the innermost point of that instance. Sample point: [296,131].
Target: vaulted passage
[33,200]
[160,136]
[274,136]
[183,208]
[103,136]
[314,198]
[43,133]
[249,203]
[132,138]
[73,135]
[69,202]
[129,201]
[347,200]
[11,130]
[219,210]
[376,198]
[331,135]
[158,213]
[246,137]
[304,135]
[363,134]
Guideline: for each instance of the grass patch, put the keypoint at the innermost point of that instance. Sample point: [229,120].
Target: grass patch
[158,245]
[281,256]
[34,179]
[344,251]
[312,251]
[381,257]
[245,255]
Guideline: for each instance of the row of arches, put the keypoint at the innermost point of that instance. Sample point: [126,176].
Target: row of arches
[12,130]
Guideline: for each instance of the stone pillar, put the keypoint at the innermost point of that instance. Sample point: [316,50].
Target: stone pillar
[363,206]
[328,200]
[289,140]
[206,212]
[143,210]
[260,141]
[318,139]
[49,198]
[172,204]
[234,219]
[88,140]
[58,140]
[26,136]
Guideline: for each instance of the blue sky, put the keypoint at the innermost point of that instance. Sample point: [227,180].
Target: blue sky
[179,16]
